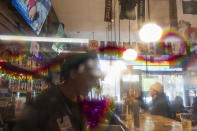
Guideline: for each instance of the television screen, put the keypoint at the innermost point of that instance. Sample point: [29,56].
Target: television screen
[34,12]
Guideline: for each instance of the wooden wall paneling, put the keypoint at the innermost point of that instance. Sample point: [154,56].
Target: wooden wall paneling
[4,21]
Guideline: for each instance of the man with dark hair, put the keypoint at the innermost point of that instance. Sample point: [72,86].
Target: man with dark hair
[78,74]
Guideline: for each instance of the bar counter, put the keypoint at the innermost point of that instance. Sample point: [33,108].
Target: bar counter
[150,122]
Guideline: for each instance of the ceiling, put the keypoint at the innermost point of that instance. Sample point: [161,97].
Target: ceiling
[83,17]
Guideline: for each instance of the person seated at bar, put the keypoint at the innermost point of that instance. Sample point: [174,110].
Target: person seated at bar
[138,96]
[124,102]
[194,111]
[130,100]
[177,107]
[160,105]
[78,74]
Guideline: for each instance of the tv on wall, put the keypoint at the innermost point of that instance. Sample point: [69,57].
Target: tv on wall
[34,12]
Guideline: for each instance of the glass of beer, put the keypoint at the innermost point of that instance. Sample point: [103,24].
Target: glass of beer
[186,121]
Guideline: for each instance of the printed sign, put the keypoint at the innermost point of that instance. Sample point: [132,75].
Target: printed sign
[93,45]
[34,12]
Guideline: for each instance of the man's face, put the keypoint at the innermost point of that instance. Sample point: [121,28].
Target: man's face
[86,77]
[153,93]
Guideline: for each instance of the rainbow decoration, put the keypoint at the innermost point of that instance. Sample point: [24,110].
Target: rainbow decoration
[13,71]
[169,58]
[16,72]
[180,58]
[13,51]
[54,65]
[112,50]
[184,40]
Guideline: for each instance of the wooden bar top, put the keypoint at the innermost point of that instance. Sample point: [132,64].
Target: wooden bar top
[150,122]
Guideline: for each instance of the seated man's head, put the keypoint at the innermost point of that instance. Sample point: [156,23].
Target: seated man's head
[79,73]
[155,90]
[178,100]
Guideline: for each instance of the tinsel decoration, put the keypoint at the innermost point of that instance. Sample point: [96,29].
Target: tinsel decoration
[97,111]
[13,51]
[112,50]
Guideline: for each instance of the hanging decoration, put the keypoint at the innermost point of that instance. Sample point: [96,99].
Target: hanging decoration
[141,13]
[112,50]
[13,71]
[127,9]
[178,59]
[93,45]
[108,11]
[13,51]
[97,111]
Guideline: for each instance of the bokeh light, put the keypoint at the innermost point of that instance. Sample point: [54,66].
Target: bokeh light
[129,55]
[150,33]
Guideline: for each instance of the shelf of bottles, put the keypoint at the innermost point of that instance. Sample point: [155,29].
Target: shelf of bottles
[24,85]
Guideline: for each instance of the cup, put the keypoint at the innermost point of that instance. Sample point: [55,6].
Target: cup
[186,121]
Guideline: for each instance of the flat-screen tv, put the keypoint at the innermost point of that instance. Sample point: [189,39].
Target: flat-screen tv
[34,12]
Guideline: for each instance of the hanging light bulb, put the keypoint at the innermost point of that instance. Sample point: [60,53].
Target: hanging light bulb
[150,33]
[130,55]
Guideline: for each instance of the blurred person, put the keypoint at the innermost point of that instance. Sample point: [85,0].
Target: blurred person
[29,96]
[160,105]
[138,96]
[124,102]
[177,107]
[130,100]
[194,111]
[55,104]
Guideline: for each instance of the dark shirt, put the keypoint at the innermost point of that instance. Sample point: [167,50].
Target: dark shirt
[142,104]
[177,108]
[161,106]
[194,111]
[43,113]
[130,101]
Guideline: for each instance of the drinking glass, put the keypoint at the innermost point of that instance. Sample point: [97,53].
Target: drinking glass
[186,121]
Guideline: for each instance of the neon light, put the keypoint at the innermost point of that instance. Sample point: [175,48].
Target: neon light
[42,39]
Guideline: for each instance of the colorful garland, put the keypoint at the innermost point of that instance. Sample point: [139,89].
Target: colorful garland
[176,59]
[112,50]
[97,111]
[13,51]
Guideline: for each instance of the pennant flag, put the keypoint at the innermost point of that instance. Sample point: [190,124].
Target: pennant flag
[127,9]
[108,10]
[141,13]
[189,7]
